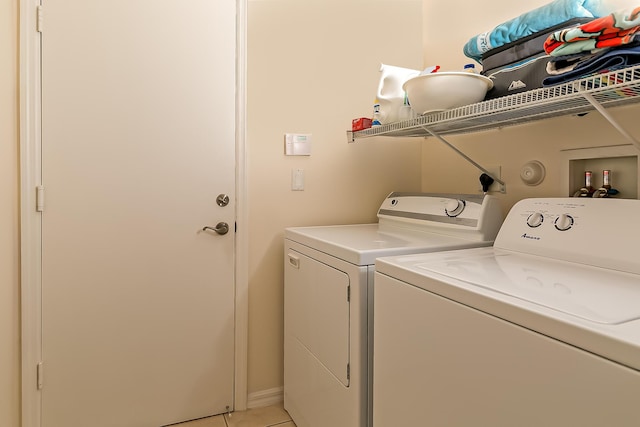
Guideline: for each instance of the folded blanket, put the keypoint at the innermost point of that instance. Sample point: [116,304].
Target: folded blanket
[564,64]
[615,29]
[583,66]
[539,19]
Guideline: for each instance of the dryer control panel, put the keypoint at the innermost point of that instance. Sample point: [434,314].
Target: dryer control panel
[471,216]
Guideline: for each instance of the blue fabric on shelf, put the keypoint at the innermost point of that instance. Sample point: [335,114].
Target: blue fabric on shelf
[609,60]
[530,23]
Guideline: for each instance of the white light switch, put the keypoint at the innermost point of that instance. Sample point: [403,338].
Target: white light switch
[297,179]
[297,144]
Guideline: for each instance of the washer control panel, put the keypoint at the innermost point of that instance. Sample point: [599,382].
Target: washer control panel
[600,232]
[562,222]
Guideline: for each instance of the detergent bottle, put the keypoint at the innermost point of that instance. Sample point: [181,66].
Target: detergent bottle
[391,102]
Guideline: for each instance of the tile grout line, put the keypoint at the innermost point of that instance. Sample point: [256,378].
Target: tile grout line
[279,424]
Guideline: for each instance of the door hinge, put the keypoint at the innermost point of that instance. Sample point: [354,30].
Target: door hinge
[39,198]
[348,371]
[39,18]
[39,376]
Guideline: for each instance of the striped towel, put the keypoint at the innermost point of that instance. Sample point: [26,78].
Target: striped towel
[615,29]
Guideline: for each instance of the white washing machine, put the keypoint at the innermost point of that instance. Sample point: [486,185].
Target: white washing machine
[328,279]
[542,329]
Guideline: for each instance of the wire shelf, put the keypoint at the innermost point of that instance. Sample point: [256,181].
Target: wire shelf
[610,89]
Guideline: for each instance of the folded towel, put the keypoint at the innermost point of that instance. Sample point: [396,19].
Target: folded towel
[531,22]
[605,61]
[564,64]
[615,29]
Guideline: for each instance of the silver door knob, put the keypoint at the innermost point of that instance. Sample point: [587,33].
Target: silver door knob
[220,228]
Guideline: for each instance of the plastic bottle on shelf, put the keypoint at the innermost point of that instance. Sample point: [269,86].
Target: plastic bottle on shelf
[375,120]
[470,68]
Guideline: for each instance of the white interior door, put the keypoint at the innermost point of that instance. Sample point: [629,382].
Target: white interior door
[138,140]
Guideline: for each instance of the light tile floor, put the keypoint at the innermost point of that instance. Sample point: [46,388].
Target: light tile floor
[268,416]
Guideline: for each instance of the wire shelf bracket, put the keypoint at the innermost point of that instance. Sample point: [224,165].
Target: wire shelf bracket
[611,120]
[503,186]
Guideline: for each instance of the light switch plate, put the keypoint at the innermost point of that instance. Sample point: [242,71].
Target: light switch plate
[297,179]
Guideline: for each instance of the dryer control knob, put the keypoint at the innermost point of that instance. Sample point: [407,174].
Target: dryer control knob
[454,207]
[535,220]
[564,222]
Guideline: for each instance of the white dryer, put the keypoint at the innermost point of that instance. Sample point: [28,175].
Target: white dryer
[542,329]
[328,296]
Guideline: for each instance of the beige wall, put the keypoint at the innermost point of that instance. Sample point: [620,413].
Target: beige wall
[512,147]
[9,214]
[312,67]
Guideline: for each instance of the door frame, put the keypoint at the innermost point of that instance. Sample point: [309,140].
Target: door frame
[31,223]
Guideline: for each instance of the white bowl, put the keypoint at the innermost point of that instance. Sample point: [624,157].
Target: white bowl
[444,90]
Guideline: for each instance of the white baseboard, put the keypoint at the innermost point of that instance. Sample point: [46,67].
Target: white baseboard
[263,398]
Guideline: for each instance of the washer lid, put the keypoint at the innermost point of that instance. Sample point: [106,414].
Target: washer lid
[591,293]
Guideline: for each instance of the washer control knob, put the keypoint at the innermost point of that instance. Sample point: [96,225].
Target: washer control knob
[535,220]
[564,222]
[454,207]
